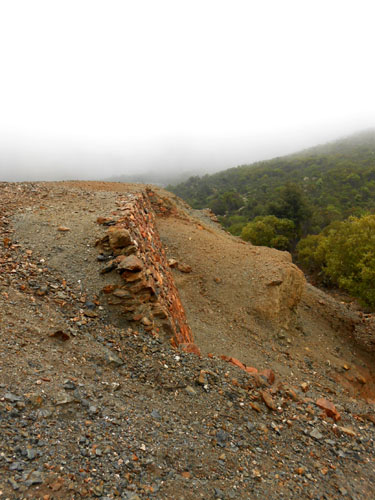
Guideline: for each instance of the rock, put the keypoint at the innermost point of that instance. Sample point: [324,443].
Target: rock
[146,321]
[155,414]
[222,437]
[63,399]
[105,221]
[276,303]
[63,229]
[329,408]
[218,493]
[90,305]
[60,335]
[13,483]
[122,294]
[268,374]
[33,477]
[316,434]
[90,314]
[131,263]
[69,385]
[172,263]
[112,265]
[190,390]
[12,398]
[112,358]
[304,386]
[184,268]
[267,398]
[118,237]
[202,379]
[347,430]
[31,453]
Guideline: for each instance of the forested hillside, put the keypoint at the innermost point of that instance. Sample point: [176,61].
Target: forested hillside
[313,187]
[318,204]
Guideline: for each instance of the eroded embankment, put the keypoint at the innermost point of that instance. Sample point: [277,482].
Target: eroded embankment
[143,289]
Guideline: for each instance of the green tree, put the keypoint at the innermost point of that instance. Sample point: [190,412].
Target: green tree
[345,254]
[270,231]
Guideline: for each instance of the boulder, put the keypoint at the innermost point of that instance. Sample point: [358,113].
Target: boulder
[119,237]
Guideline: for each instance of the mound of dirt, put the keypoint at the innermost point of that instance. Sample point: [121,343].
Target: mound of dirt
[94,404]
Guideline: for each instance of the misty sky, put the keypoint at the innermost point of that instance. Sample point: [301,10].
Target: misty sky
[90,89]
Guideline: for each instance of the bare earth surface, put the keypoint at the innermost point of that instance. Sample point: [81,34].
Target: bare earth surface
[93,407]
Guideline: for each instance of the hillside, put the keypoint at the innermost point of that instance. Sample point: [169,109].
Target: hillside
[334,181]
[147,353]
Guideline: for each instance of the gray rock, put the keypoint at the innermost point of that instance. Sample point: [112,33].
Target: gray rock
[12,398]
[33,477]
[316,434]
[112,358]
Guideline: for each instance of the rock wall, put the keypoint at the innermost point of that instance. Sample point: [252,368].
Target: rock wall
[142,289]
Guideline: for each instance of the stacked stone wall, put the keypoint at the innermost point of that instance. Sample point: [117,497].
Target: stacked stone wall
[143,289]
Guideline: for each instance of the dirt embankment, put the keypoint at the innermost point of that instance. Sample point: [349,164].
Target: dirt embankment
[97,404]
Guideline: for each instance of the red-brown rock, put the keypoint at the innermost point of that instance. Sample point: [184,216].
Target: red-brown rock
[119,237]
[329,408]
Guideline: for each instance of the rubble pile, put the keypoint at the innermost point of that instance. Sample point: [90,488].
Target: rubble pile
[142,288]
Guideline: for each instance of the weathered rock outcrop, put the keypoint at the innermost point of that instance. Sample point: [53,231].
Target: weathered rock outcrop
[279,287]
[143,288]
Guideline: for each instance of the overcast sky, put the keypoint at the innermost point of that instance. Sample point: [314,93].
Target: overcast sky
[94,88]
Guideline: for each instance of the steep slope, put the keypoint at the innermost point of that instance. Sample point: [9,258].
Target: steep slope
[94,406]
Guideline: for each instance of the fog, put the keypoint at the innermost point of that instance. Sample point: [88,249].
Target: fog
[164,89]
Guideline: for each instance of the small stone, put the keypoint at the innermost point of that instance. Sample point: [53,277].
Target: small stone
[90,314]
[31,453]
[202,379]
[63,229]
[267,398]
[131,263]
[33,477]
[304,386]
[122,294]
[347,430]
[113,359]
[184,268]
[316,434]
[155,414]
[221,437]
[146,321]
[90,305]
[93,409]
[218,493]
[109,267]
[63,399]
[190,390]
[13,483]
[12,398]
[69,385]
[329,408]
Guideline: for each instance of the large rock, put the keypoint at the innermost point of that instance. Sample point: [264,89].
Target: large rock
[119,237]
[277,289]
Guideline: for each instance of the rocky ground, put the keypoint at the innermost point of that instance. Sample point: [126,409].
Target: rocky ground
[93,406]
